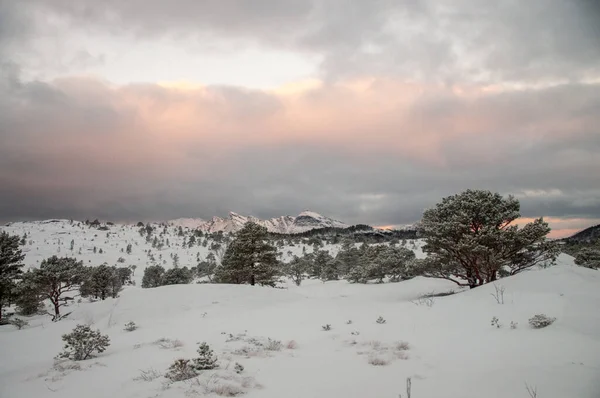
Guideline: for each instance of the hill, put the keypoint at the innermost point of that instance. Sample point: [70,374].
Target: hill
[451,351]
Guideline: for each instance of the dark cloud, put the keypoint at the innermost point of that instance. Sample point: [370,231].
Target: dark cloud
[83,148]
[494,95]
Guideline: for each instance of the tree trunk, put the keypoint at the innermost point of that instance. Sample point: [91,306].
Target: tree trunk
[56,309]
[252,279]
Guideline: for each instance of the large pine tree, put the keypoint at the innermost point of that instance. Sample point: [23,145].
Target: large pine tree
[10,266]
[471,239]
[249,258]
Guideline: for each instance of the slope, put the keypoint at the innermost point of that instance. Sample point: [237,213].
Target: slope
[454,352]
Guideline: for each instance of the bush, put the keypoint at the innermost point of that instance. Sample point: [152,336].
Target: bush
[273,345]
[380,320]
[326,328]
[180,370]
[19,323]
[130,326]
[82,342]
[239,368]
[541,321]
[206,358]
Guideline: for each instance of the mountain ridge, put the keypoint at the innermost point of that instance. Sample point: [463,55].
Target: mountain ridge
[305,221]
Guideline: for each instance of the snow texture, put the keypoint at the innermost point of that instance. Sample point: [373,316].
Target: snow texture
[444,344]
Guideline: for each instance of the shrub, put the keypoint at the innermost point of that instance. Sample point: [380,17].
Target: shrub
[82,342]
[239,368]
[130,326]
[513,325]
[206,358]
[180,370]
[496,322]
[541,321]
[380,320]
[19,323]
[273,345]
[378,361]
[326,328]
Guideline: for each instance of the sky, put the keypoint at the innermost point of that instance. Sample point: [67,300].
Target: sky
[364,111]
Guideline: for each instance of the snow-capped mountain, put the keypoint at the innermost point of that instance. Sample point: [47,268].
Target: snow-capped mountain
[304,221]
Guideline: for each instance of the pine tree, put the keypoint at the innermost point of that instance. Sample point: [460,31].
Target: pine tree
[470,239]
[177,276]
[27,297]
[206,359]
[10,266]
[153,276]
[320,261]
[297,269]
[82,342]
[101,282]
[250,258]
[57,276]
[588,257]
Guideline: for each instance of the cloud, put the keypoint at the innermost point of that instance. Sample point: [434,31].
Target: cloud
[81,147]
[533,42]
[411,101]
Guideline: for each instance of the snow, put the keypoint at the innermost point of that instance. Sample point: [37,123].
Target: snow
[454,351]
[305,221]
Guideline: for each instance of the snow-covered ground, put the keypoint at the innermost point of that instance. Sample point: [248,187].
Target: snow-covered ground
[453,349]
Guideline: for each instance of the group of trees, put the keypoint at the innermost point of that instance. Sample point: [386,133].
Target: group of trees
[58,280]
[470,239]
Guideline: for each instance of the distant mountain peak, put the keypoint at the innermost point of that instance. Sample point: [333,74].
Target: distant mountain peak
[304,221]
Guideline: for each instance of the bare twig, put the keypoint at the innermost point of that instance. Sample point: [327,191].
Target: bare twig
[499,295]
[532,391]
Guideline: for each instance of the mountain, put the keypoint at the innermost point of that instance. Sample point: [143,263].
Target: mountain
[304,221]
[587,235]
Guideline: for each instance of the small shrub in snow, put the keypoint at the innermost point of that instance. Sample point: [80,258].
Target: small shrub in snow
[380,320]
[239,368]
[19,323]
[513,325]
[496,322]
[180,370]
[402,346]
[541,321]
[355,333]
[130,326]
[273,345]
[326,328]
[206,358]
[378,361]
[499,294]
[82,342]
[349,322]
[148,375]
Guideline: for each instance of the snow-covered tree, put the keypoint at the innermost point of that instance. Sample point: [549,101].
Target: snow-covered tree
[397,262]
[102,281]
[11,259]
[27,296]
[153,276]
[249,258]
[206,358]
[471,241]
[57,276]
[81,343]
[588,257]
[320,261]
[177,276]
[297,269]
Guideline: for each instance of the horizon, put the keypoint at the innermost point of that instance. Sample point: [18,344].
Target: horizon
[370,113]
